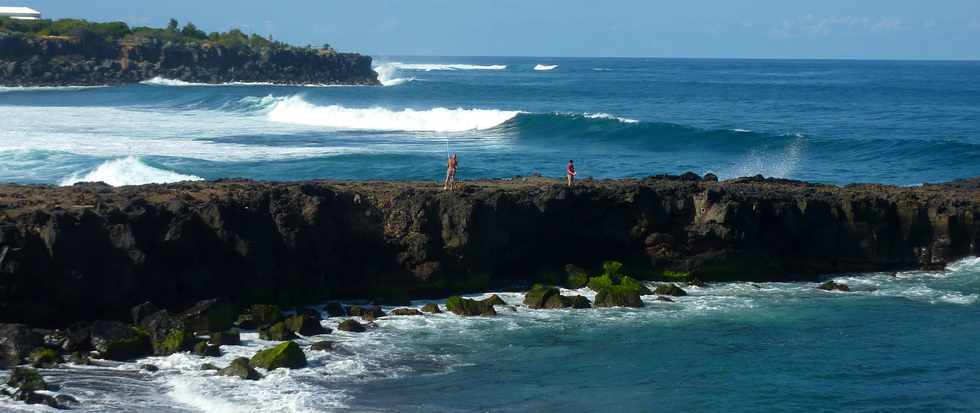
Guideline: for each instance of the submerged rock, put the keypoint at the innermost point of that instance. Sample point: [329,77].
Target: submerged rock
[45,358]
[26,379]
[670,289]
[369,313]
[79,359]
[305,325]
[211,315]
[334,309]
[431,308]
[664,299]
[466,307]
[117,341]
[209,366]
[405,311]
[352,326]
[240,368]
[225,338]
[149,368]
[285,355]
[276,332]
[207,350]
[834,286]
[265,314]
[322,346]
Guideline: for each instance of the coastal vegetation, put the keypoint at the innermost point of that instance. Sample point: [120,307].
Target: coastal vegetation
[85,31]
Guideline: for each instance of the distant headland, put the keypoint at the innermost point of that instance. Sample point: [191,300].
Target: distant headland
[78,52]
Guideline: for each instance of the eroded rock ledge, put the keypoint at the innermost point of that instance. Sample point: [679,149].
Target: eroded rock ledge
[92,251]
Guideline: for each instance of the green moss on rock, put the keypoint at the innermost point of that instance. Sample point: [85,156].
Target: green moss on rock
[466,307]
[266,314]
[538,296]
[26,379]
[176,341]
[618,296]
[285,355]
[670,289]
[494,300]
[305,325]
[276,332]
[207,350]
[431,308]
[45,358]
[226,338]
[351,325]
[240,368]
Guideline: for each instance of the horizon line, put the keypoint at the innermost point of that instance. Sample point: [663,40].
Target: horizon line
[884,59]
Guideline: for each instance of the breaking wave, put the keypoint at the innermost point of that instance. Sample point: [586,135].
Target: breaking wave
[128,171]
[545,67]
[296,110]
[428,67]
[387,75]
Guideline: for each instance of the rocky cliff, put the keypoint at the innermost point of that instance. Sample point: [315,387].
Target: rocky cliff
[91,251]
[54,61]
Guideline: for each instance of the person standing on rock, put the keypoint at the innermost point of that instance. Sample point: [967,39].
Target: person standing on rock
[451,173]
[570,173]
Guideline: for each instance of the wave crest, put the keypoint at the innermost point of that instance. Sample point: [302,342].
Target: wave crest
[387,75]
[296,110]
[541,67]
[428,67]
[128,171]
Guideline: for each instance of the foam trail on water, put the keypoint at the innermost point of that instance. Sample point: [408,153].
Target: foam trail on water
[128,171]
[428,67]
[541,67]
[162,81]
[608,116]
[296,110]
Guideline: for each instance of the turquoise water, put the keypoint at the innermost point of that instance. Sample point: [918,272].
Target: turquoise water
[905,343]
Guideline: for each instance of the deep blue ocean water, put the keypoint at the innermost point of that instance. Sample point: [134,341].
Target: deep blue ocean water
[905,343]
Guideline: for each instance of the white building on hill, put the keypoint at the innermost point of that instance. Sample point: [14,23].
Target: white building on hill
[20,13]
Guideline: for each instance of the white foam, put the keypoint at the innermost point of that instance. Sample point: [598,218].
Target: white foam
[162,81]
[541,67]
[387,75]
[768,164]
[296,110]
[128,171]
[608,116]
[428,67]
[741,130]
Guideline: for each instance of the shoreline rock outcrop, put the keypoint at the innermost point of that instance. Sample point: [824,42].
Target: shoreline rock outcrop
[65,61]
[92,251]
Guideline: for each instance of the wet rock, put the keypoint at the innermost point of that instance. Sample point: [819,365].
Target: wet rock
[117,341]
[149,368]
[539,295]
[431,308]
[45,358]
[494,300]
[670,289]
[352,326]
[322,346]
[310,313]
[334,309]
[285,355]
[79,358]
[305,325]
[26,379]
[368,313]
[240,368]
[665,299]
[617,296]
[30,397]
[226,338]
[264,314]
[210,315]
[696,283]
[66,401]
[405,311]
[168,334]
[276,332]
[207,350]
[466,307]
[209,366]
[139,312]
[246,322]
[834,286]
[17,341]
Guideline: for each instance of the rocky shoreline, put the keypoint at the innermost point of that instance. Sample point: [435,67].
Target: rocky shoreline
[62,61]
[92,271]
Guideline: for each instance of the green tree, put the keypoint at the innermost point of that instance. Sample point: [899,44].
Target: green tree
[191,31]
[172,25]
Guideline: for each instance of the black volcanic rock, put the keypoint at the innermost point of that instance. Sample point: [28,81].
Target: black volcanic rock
[86,251]
[56,61]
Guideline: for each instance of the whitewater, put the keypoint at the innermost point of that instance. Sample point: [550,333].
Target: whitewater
[756,346]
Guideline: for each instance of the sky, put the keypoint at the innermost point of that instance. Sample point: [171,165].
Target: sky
[846,29]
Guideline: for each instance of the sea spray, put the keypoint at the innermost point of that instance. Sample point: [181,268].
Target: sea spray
[128,171]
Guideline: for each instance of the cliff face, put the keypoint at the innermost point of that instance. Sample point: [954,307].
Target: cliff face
[26,61]
[92,251]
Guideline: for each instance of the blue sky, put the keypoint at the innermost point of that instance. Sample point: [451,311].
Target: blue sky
[871,29]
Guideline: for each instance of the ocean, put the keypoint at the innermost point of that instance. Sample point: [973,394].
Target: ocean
[895,343]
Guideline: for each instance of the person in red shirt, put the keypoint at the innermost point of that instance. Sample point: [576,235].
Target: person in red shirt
[570,173]
[451,173]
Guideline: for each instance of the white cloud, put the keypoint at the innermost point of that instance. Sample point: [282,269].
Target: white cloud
[818,26]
